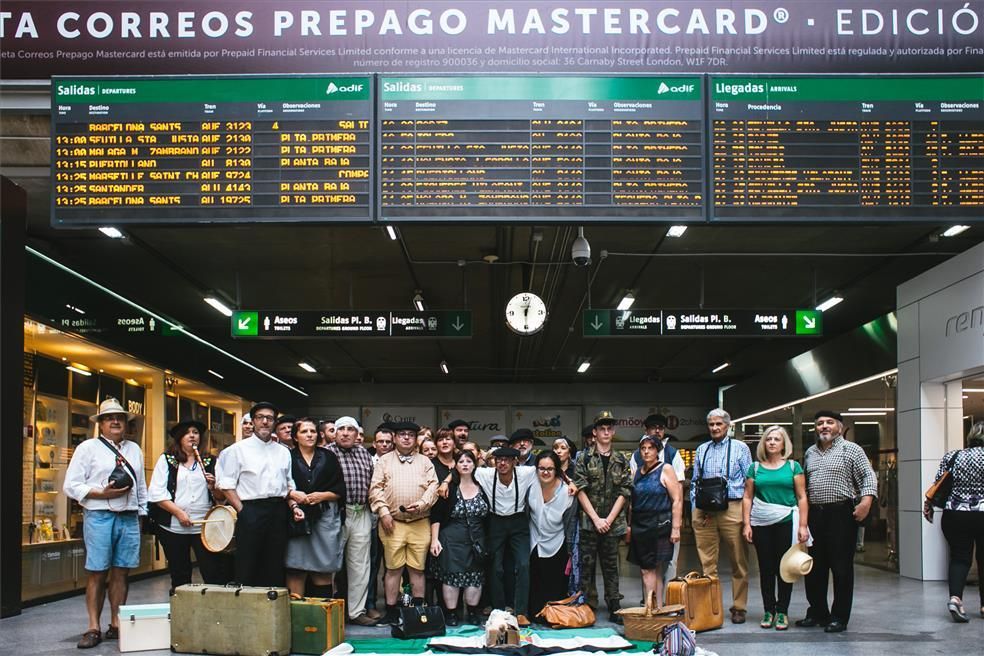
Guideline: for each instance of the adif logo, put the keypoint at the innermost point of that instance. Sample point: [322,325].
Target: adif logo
[334,88]
[680,88]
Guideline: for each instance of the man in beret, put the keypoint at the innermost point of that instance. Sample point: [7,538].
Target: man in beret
[604,483]
[282,427]
[523,440]
[459,429]
[403,489]
[837,473]
[255,475]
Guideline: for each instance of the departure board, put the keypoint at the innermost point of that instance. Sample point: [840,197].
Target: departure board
[847,148]
[543,148]
[211,149]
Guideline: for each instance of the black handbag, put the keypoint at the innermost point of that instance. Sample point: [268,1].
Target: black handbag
[120,477]
[711,494]
[298,529]
[419,622]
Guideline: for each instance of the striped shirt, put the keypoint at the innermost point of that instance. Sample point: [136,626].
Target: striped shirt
[356,470]
[396,483]
[839,473]
[712,461]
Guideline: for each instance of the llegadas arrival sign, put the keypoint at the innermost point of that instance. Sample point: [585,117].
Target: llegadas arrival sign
[42,38]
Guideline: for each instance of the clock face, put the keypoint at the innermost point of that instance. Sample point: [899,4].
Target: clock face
[526,313]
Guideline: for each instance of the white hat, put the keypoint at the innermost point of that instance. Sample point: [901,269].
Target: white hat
[796,562]
[111,407]
[341,422]
[246,418]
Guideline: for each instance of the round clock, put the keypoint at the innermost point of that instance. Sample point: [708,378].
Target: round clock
[526,313]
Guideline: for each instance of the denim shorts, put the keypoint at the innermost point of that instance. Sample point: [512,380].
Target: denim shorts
[112,539]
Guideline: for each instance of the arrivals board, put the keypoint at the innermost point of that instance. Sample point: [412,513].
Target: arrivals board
[211,149]
[846,148]
[544,148]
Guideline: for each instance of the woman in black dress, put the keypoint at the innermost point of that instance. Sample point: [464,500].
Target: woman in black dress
[458,541]
[321,495]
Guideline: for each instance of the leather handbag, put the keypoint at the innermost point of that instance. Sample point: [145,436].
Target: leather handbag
[711,494]
[568,613]
[701,598]
[120,477]
[419,622]
[939,491]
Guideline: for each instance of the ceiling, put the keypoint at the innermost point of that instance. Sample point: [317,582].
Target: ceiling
[268,266]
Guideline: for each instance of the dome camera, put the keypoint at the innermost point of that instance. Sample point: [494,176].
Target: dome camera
[581,250]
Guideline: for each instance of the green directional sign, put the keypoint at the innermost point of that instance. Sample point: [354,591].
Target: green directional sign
[245,324]
[597,323]
[455,324]
[809,322]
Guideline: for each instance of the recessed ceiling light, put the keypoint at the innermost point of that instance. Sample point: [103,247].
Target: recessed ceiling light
[111,232]
[76,309]
[953,231]
[720,367]
[880,413]
[218,305]
[78,370]
[444,367]
[391,231]
[585,364]
[871,409]
[306,367]
[974,389]
[829,303]
[676,231]
[216,374]
[626,301]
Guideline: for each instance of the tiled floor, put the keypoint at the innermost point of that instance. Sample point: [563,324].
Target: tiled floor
[892,615]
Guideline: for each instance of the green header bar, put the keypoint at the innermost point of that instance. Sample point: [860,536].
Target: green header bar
[540,88]
[210,89]
[853,88]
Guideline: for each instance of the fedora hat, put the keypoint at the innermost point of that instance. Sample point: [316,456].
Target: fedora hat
[796,562]
[111,406]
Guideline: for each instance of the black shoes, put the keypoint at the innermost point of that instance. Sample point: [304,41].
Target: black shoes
[809,622]
[451,618]
[392,616]
[835,626]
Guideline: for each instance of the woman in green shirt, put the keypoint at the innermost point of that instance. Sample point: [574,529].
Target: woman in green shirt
[775,501]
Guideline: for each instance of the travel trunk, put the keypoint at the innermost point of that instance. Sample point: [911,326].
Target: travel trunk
[230,620]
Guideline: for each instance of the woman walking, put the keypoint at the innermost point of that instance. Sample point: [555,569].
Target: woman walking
[181,493]
[458,541]
[963,517]
[551,508]
[655,516]
[320,494]
[774,510]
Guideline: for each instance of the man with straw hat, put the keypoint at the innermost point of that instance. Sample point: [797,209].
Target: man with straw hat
[106,477]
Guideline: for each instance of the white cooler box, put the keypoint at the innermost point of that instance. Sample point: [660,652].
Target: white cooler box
[145,627]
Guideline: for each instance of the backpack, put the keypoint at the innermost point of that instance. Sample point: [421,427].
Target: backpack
[677,640]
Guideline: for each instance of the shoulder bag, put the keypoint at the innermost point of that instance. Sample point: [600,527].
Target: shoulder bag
[122,475]
[711,494]
[940,490]
[569,613]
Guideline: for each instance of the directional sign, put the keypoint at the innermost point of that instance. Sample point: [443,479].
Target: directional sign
[93,324]
[336,324]
[691,322]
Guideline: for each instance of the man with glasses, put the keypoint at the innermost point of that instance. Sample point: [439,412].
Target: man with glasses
[403,489]
[255,475]
[604,482]
[111,524]
[357,468]
[523,441]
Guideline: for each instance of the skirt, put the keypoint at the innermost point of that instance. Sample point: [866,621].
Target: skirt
[457,564]
[646,548]
[322,551]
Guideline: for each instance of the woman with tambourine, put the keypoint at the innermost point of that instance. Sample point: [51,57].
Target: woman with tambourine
[181,492]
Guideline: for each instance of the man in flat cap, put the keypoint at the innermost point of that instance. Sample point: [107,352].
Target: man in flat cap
[523,440]
[459,429]
[255,475]
[604,482]
[282,428]
[498,441]
[837,473]
[403,489]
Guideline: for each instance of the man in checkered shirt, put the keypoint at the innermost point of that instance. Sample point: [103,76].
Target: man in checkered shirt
[837,475]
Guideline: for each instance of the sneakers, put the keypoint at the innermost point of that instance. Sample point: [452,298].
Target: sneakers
[782,622]
[768,621]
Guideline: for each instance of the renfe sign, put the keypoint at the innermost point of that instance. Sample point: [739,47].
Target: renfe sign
[41,38]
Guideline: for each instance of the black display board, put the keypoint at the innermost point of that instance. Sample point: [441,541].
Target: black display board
[211,149]
[543,148]
[844,148]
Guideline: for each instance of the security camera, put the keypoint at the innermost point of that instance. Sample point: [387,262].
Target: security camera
[581,250]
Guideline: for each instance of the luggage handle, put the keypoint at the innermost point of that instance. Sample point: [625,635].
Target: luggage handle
[569,601]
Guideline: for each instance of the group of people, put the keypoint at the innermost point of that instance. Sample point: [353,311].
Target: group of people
[322,510]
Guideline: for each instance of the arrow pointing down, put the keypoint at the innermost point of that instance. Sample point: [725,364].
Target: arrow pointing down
[596,324]
[810,322]
[457,325]
[244,323]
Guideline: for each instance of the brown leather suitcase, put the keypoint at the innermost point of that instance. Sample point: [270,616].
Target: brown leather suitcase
[232,620]
[701,598]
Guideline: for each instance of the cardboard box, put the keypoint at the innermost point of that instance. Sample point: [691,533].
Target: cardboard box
[145,627]
[506,638]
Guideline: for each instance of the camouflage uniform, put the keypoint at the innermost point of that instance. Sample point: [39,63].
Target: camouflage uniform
[603,488]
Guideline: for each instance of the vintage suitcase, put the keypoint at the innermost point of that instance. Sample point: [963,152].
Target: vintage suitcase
[701,598]
[317,624]
[145,627]
[230,620]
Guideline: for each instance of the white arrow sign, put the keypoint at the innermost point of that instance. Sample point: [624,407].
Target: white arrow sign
[596,324]
[457,325]
[810,322]
[244,323]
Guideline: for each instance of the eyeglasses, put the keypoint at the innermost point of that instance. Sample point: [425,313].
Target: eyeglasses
[116,417]
[262,418]
[546,470]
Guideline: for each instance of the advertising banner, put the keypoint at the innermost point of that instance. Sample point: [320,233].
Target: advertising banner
[42,38]
[686,423]
[483,422]
[549,423]
[373,416]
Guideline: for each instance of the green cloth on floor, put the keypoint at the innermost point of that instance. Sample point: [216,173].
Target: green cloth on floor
[384,644]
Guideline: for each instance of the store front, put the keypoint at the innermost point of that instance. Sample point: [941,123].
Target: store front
[65,378]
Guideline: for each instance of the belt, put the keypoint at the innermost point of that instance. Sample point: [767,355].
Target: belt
[519,514]
[846,503]
[266,500]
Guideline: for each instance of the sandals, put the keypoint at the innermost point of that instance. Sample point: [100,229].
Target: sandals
[955,606]
[90,639]
[112,633]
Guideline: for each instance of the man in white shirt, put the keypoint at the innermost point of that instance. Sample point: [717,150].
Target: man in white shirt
[255,475]
[111,514]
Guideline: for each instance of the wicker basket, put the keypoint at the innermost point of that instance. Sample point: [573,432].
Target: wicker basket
[645,624]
